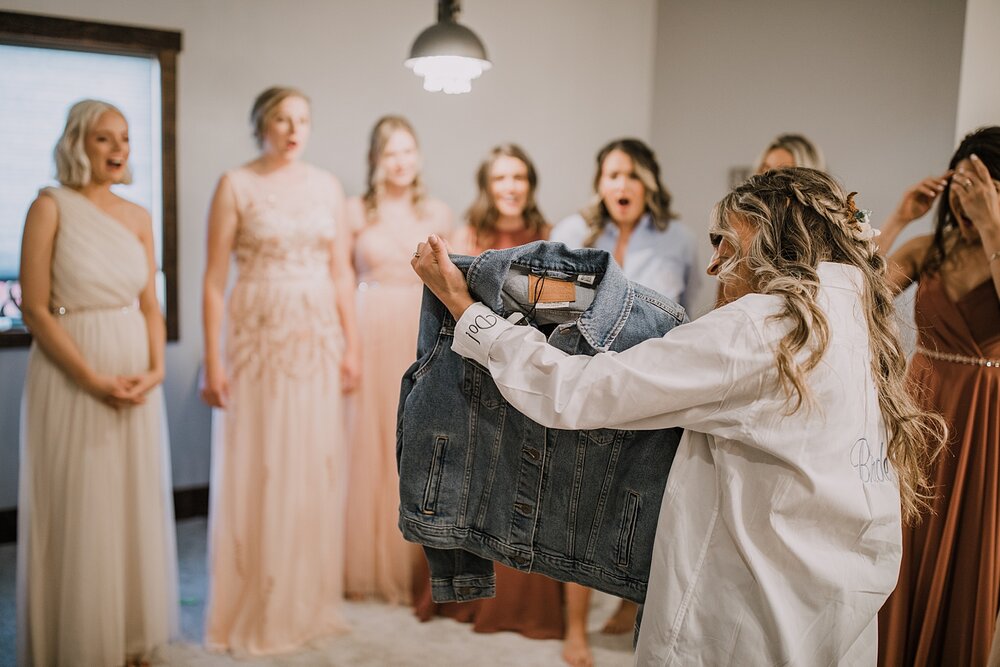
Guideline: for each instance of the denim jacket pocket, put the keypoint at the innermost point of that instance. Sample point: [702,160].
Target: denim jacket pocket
[429,505]
[626,533]
[602,436]
[443,341]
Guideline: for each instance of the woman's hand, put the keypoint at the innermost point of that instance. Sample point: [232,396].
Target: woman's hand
[350,370]
[916,202]
[214,385]
[113,390]
[442,277]
[978,195]
[919,199]
[141,384]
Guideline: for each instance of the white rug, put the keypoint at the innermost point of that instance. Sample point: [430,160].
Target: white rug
[384,635]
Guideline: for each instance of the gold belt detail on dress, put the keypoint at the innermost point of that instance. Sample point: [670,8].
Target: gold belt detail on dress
[958,358]
[62,310]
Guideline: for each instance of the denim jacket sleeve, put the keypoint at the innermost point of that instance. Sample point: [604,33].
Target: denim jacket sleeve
[704,375]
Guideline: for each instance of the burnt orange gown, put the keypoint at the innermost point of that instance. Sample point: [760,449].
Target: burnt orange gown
[530,604]
[944,608]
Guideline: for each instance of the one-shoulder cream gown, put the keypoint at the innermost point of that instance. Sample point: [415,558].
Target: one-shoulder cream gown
[97,571]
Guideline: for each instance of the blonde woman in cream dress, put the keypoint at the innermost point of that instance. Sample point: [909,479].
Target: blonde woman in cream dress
[97,577]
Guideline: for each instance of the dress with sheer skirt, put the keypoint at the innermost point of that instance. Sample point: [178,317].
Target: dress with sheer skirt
[945,605]
[380,563]
[97,569]
[277,508]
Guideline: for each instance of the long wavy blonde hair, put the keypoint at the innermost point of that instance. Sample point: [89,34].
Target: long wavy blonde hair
[801,217]
[381,133]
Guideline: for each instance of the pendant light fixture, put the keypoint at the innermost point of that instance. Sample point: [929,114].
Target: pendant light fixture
[447,55]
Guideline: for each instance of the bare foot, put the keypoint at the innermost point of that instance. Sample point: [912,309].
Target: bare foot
[623,620]
[355,597]
[576,650]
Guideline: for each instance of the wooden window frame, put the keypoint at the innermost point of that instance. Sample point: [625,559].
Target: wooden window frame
[19,29]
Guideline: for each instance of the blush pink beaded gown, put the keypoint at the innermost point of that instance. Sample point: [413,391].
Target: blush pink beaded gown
[278,486]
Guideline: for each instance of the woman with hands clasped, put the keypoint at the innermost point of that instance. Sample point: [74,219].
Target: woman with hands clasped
[779,533]
[97,570]
[276,557]
[944,609]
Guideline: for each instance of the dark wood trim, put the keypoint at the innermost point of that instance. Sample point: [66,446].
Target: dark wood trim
[168,149]
[188,503]
[75,34]
[15,339]
[8,525]
[191,502]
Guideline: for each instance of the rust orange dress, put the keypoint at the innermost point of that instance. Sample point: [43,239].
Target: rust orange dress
[530,604]
[944,608]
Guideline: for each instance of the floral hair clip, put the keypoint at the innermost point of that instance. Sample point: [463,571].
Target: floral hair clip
[865,230]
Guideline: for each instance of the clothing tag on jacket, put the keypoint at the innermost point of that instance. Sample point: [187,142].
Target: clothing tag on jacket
[542,290]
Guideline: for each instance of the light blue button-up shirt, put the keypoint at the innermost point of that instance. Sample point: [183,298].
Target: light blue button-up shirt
[660,260]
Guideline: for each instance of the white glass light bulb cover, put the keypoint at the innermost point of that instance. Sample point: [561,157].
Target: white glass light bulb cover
[451,74]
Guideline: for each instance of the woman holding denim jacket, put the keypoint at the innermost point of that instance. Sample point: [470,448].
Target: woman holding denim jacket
[779,531]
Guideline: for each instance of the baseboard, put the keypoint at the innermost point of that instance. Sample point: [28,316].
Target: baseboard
[8,525]
[191,502]
[188,503]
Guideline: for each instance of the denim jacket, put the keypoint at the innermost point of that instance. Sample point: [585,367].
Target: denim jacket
[480,482]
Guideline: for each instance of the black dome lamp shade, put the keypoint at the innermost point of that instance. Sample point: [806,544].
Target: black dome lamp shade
[448,55]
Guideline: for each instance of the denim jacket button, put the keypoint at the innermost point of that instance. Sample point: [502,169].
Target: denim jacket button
[533,453]
[523,508]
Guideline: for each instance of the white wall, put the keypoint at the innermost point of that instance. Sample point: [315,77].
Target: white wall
[979,91]
[708,83]
[875,84]
[568,76]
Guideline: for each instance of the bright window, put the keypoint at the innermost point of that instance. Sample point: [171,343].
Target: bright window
[47,64]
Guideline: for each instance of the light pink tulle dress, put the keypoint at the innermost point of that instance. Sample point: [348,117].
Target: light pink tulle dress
[279,453]
[380,563]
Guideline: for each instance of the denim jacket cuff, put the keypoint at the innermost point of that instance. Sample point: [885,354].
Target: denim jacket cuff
[476,331]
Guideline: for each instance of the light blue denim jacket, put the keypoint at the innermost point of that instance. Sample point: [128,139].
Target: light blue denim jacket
[480,482]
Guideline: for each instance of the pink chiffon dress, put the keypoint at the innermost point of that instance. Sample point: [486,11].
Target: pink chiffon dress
[380,564]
